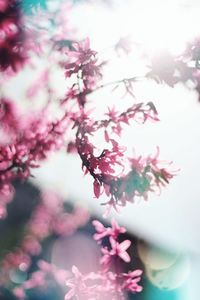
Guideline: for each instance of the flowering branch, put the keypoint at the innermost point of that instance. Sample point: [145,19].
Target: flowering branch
[26,142]
[110,282]
[145,174]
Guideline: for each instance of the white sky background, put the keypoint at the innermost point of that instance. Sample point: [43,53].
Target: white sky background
[171,220]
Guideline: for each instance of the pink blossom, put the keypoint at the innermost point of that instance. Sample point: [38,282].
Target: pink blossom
[4,5]
[19,293]
[124,45]
[30,141]
[12,50]
[76,284]
[82,52]
[102,231]
[83,63]
[31,245]
[163,69]
[109,282]
[37,280]
[131,280]
[119,249]
[96,188]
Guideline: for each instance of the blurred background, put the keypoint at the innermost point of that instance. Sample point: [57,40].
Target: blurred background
[165,229]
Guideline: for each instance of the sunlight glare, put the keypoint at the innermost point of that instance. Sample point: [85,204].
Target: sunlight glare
[158,25]
[155,25]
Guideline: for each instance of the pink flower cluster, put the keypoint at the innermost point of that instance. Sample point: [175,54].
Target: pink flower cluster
[184,68]
[12,52]
[40,278]
[110,282]
[48,218]
[145,174]
[26,141]
[83,63]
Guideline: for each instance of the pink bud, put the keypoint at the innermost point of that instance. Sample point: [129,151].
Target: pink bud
[96,186]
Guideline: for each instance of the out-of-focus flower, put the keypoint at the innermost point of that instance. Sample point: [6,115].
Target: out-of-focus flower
[124,45]
[12,49]
[109,282]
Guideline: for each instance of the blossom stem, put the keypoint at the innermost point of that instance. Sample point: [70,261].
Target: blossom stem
[124,80]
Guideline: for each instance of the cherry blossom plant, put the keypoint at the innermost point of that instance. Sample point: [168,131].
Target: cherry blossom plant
[110,282]
[28,138]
